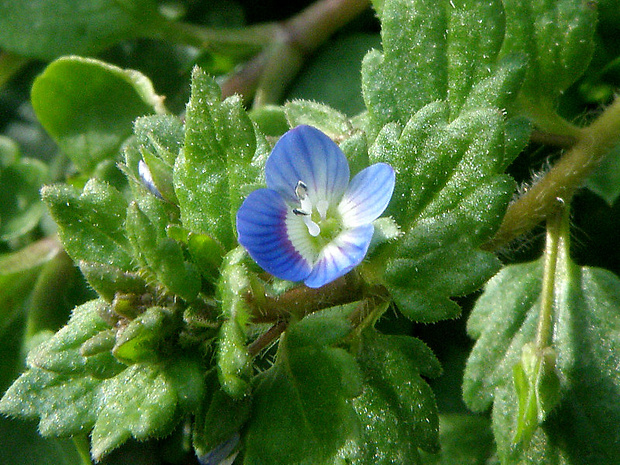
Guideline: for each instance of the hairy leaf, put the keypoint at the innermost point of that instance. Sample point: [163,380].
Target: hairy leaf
[448,198]
[233,359]
[582,429]
[397,408]
[557,37]
[91,223]
[301,411]
[163,256]
[72,388]
[220,163]
[438,51]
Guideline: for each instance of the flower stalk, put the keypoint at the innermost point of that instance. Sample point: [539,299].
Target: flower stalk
[593,144]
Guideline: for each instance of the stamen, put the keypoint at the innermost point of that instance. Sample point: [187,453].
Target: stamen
[313,228]
[299,212]
[301,190]
[321,207]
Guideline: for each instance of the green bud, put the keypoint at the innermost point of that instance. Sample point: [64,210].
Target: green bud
[538,389]
[140,340]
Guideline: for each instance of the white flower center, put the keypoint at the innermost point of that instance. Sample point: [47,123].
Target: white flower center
[315,216]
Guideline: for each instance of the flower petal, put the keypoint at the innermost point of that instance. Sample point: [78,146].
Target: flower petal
[368,195]
[341,255]
[306,154]
[261,226]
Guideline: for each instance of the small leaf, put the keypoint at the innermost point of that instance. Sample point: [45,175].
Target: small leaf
[162,135]
[221,162]
[56,388]
[449,197]
[88,107]
[140,340]
[397,408]
[91,223]
[438,52]
[139,402]
[107,280]
[300,407]
[72,386]
[538,389]
[233,359]
[163,256]
[322,117]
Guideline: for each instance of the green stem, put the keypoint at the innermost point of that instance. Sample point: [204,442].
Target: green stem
[555,230]
[250,39]
[83,449]
[299,37]
[568,174]
[301,301]
[547,119]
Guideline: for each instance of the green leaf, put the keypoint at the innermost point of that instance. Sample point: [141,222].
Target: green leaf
[323,117]
[107,280]
[139,402]
[163,256]
[43,30]
[56,388]
[397,408]
[92,223]
[18,272]
[583,427]
[88,107]
[72,388]
[447,51]
[605,180]
[160,134]
[222,161]
[300,410]
[233,359]
[448,199]
[557,38]
[21,207]
[140,340]
[219,418]
[538,389]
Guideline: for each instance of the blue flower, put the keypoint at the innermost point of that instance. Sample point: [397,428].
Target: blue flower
[311,224]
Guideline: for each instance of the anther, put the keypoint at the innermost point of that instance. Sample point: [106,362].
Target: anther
[301,190]
[299,212]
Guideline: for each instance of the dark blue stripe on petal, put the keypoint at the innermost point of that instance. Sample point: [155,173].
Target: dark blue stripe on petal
[306,154]
[261,229]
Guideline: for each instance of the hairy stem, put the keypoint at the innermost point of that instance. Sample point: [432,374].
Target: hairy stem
[569,173]
[301,301]
[555,233]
